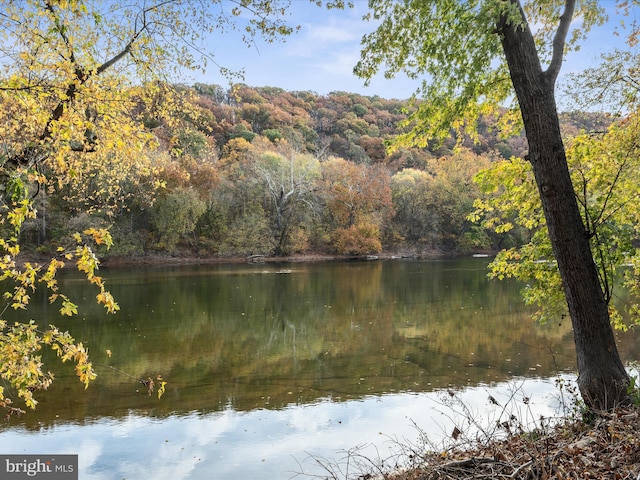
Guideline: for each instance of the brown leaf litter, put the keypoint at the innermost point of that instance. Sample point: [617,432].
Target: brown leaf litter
[605,447]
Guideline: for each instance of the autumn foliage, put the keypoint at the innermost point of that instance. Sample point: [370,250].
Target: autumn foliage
[101,156]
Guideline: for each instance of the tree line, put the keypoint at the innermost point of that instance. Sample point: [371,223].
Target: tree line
[262,171]
[96,145]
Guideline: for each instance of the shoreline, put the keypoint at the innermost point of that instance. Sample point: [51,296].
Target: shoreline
[165,259]
[187,258]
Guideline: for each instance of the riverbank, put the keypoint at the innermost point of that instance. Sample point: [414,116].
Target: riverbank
[607,446]
[151,260]
[191,259]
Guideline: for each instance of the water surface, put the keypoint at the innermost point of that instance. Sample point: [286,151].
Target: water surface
[269,364]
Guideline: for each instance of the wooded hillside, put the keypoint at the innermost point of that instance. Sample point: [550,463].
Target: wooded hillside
[262,171]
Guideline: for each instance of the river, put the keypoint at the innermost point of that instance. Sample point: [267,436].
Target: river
[277,371]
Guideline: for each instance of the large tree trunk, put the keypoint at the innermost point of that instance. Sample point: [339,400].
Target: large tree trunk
[602,378]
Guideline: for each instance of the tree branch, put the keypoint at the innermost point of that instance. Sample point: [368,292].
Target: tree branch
[559,40]
[81,75]
[61,30]
[129,45]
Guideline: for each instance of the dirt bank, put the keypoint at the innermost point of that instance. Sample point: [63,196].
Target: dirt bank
[186,259]
[600,446]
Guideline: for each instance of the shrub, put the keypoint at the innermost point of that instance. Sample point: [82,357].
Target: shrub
[360,239]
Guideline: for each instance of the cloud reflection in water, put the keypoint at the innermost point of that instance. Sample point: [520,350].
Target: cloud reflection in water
[269,444]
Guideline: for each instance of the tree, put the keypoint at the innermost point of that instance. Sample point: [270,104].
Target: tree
[410,189]
[476,53]
[77,77]
[175,215]
[612,85]
[451,198]
[289,184]
[358,202]
[604,169]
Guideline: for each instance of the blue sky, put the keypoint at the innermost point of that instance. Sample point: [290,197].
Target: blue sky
[321,56]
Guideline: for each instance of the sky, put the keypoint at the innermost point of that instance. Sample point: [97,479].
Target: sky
[320,57]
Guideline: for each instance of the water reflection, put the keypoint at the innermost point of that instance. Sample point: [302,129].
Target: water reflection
[265,444]
[264,365]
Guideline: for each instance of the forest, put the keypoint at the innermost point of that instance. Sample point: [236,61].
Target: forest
[101,144]
[243,171]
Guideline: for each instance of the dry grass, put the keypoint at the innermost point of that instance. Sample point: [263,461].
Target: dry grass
[606,447]
[511,444]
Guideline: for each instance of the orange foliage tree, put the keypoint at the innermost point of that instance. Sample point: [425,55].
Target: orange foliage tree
[357,201]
